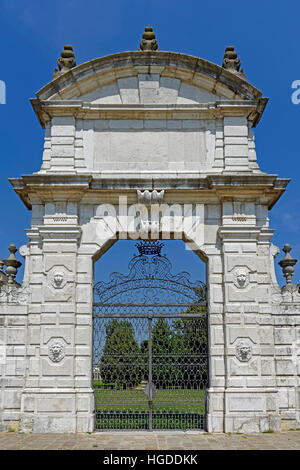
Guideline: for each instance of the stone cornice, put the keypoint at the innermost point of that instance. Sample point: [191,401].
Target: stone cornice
[251,109]
[60,232]
[238,233]
[265,188]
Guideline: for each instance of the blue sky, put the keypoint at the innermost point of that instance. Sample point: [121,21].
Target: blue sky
[265,34]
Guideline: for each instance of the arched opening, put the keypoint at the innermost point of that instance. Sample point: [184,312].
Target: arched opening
[150,341]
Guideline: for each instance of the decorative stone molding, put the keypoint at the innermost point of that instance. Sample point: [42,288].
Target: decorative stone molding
[149,197]
[286,294]
[56,351]
[274,251]
[243,350]
[19,295]
[12,294]
[239,212]
[241,278]
[24,250]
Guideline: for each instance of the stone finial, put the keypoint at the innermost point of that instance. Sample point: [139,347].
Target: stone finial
[2,274]
[149,42]
[231,61]
[12,264]
[287,264]
[66,62]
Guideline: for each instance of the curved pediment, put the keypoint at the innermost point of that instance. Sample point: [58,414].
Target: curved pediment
[148,78]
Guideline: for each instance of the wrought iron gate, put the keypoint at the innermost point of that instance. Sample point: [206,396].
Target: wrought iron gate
[150,367]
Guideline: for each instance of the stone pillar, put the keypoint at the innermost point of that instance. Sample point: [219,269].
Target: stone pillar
[57,396]
[250,388]
[13,324]
[214,274]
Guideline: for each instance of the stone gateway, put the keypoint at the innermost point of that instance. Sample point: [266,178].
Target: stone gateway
[169,137]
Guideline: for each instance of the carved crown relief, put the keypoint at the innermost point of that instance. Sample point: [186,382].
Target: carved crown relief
[149,197]
[58,280]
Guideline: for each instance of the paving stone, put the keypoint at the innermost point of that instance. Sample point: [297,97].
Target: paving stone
[155,441]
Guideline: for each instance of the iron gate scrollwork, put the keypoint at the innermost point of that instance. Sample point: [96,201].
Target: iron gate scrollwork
[150,361]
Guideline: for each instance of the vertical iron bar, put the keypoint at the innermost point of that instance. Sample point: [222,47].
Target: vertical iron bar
[150,372]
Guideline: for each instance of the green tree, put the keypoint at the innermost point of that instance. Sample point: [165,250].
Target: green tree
[121,361]
[165,355]
[192,337]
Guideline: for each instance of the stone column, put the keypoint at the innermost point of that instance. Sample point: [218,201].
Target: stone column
[214,274]
[250,388]
[56,398]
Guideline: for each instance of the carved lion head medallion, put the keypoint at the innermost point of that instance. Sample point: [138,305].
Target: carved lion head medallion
[56,351]
[243,351]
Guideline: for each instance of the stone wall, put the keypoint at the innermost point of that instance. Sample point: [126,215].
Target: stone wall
[13,361]
[169,144]
[253,327]
[286,318]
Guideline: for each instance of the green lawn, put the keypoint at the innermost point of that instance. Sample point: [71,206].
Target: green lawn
[129,409]
[171,400]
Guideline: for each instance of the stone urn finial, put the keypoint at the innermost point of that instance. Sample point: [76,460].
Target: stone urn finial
[149,42]
[66,62]
[12,264]
[287,264]
[231,61]
[2,274]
